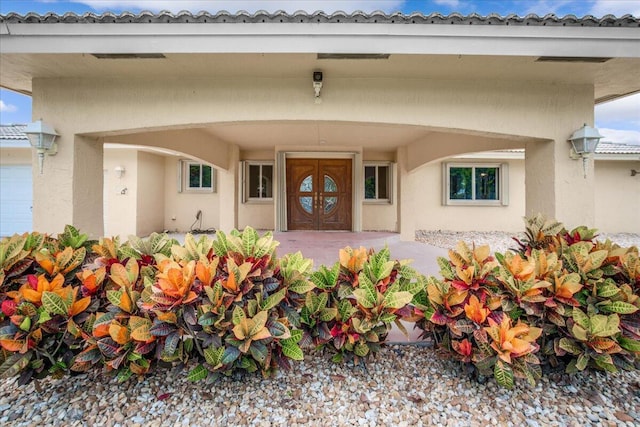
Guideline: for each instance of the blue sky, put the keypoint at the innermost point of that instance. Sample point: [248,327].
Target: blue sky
[618,120]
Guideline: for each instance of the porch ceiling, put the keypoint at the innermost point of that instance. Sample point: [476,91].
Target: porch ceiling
[614,78]
[261,135]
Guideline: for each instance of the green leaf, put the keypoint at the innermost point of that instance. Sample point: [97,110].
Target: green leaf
[397,299]
[607,289]
[605,326]
[198,373]
[114,297]
[446,270]
[124,375]
[259,351]
[581,319]
[301,286]
[570,346]
[582,362]
[385,270]
[273,300]
[503,374]
[345,309]
[230,355]
[213,355]
[629,344]
[292,351]
[328,314]
[361,349]
[238,315]
[54,303]
[605,362]
[366,293]
[620,307]
[14,364]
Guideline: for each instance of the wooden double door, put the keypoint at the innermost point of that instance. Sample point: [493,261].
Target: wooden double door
[319,194]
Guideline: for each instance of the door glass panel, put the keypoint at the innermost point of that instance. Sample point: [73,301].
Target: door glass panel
[330,185]
[330,204]
[307,203]
[307,184]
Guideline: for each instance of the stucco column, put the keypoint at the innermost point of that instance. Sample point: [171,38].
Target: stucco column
[70,189]
[555,183]
[228,189]
[406,213]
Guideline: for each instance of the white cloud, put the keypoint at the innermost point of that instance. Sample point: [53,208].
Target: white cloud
[7,108]
[450,3]
[615,7]
[614,113]
[248,5]
[620,136]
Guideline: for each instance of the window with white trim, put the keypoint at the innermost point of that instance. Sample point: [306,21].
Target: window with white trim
[475,184]
[258,181]
[377,182]
[196,177]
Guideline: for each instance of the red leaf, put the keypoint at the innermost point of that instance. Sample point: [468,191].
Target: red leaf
[164,396]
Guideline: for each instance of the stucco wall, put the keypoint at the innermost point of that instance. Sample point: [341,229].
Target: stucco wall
[16,156]
[257,214]
[102,107]
[617,196]
[120,194]
[180,209]
[151,191]
[426,184]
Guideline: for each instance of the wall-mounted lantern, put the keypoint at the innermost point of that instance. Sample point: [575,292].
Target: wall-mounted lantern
[42,137]
[584,142]
[119,170]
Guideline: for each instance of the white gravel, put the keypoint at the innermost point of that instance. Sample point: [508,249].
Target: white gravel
[500,241]
[404,386]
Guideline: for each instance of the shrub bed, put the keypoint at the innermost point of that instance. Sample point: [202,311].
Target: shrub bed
[560,301]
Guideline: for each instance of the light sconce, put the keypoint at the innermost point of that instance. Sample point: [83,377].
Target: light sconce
[317,85]
[119,170]
[584,142]
[42,137]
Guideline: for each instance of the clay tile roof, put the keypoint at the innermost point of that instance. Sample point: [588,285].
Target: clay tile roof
[14,132]
[613,148]
[377,17]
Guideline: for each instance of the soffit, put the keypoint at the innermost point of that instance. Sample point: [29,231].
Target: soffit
[616,77]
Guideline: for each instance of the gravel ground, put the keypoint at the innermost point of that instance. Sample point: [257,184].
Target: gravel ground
[501,241]
[404,386]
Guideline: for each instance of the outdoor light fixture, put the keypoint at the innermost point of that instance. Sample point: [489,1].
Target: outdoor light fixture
[42,137]
[317,84]
[584,142]
[119,170]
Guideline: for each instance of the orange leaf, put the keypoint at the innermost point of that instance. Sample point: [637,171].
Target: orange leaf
[125,302]
[101,330]
[475,310]
[79,306]
[12,345]
[119,333]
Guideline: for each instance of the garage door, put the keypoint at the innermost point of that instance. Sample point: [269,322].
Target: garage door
[16,199]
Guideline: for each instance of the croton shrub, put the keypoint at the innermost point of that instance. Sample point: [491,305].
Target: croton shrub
[69,304]
[560,300]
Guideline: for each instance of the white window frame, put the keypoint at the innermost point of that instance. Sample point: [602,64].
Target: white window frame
[246,166]
[184,184]
[503,184]
[378,200]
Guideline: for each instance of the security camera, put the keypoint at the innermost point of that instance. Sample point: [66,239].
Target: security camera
[317,82]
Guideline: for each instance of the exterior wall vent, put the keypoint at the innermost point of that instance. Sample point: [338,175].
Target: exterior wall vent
[129,55]
[353,56]
[581,59]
